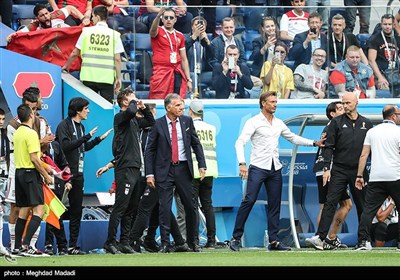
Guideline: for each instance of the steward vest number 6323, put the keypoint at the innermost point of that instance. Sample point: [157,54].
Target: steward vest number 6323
[99,39]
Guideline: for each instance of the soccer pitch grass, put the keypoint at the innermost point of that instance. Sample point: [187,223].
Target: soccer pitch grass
[247,257]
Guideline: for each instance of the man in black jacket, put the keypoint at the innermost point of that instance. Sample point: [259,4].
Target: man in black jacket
[74,142]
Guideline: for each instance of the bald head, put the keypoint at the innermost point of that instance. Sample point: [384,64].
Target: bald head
[390,110]
[350,101]
[349,96]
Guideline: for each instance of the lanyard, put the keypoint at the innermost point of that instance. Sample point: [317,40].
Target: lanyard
[334,47]
[77,138]
[169,39]
[388,50]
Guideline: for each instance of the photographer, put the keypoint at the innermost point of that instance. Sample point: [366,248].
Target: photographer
[230,79]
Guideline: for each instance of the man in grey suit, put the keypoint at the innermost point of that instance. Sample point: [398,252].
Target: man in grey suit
[165,173]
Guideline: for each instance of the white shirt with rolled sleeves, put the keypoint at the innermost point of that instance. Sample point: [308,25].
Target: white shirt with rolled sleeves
[265,140]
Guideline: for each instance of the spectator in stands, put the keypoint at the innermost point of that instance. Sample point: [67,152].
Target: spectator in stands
[198,42]
[150,9]
[352,75]
[44,19]
[128,162]
[263,46]
[383,54]
[333,110]
[54,151]
[385,223]
[74,142]
[264,131]
[6,12]
[205,9]
[275,75]
[118,17]
[340,154]
[363,9]
[170,64]
[221,43]
[294,22]
[101,75]
[341,41]
[306,42]
[84,6]
[310,80]
[230,78]
[321,7]
[382,144]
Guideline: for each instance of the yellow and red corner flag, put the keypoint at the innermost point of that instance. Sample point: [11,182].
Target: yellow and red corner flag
[53,207]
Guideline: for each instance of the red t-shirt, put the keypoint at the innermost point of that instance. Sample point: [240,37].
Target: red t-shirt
[338,78]
[166,42]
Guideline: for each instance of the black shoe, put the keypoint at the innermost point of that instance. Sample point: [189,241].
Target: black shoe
[62,251]
[151,246]
[75,251]
[234,245]
[166,249]
[136,246]
[210,245]
[196,248]
[181,248]
[398,245]
[277,246]
[332,244]
[48,249]
[125,248]
[111,248]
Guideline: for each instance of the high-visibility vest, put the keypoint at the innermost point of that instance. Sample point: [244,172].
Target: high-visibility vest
[207,136]
[98,48]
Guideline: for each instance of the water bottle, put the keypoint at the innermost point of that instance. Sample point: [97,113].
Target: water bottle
[97,251]
[266,239]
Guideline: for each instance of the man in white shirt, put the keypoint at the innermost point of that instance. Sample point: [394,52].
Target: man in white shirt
[264,130]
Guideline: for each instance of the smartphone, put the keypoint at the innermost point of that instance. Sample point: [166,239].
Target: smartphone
[231,62]
[278,55]
[313,30]
[201,22]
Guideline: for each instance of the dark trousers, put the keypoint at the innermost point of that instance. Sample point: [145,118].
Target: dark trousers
[126,180]
[180,177]
[128,23]
[105,90]
[51,231]
[203,191]
[75,197]
[382,232]
[148,216]
[375,195]
[364,12]
[272,180]
[209,13]
[341,178]
[6,12]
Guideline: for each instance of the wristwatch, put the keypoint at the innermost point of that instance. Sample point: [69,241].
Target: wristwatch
[189,80]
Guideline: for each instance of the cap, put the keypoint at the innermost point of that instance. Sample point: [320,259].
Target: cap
[196,106]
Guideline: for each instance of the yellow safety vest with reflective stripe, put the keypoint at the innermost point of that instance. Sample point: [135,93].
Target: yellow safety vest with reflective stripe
[207,136]
[98,48]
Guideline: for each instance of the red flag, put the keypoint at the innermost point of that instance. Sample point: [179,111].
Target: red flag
[52,45]
[64,174]
[53,207]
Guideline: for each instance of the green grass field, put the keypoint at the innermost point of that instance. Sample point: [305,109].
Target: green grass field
[257,257]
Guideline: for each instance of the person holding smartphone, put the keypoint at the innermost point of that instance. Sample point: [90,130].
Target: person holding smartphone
[230,79]
[306,42]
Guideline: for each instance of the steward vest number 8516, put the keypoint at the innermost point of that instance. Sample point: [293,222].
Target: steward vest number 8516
[99,39]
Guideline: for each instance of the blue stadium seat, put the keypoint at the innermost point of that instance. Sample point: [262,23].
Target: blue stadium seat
[221,13]
[363,40]
[253,17]
[247,37]
[22,14]
[334,11]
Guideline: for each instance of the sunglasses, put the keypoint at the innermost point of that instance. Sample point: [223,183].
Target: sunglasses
[169,17]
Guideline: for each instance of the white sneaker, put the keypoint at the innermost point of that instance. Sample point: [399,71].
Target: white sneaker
[315,242]
[4,251]
[368,245]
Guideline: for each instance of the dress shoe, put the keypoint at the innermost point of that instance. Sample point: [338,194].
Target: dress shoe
[165,249]
[210,245]
[125,248]
[277,246]
[112,248]
[136,246]
[181,248]
[234,245]
[151,246]
[195,248]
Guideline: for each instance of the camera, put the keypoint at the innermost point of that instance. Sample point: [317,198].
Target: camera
[313,30]
[231,62]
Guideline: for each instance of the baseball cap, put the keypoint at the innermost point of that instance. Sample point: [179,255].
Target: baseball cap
[196,106]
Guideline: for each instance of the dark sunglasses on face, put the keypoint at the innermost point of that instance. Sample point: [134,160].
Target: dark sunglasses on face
[169,17]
